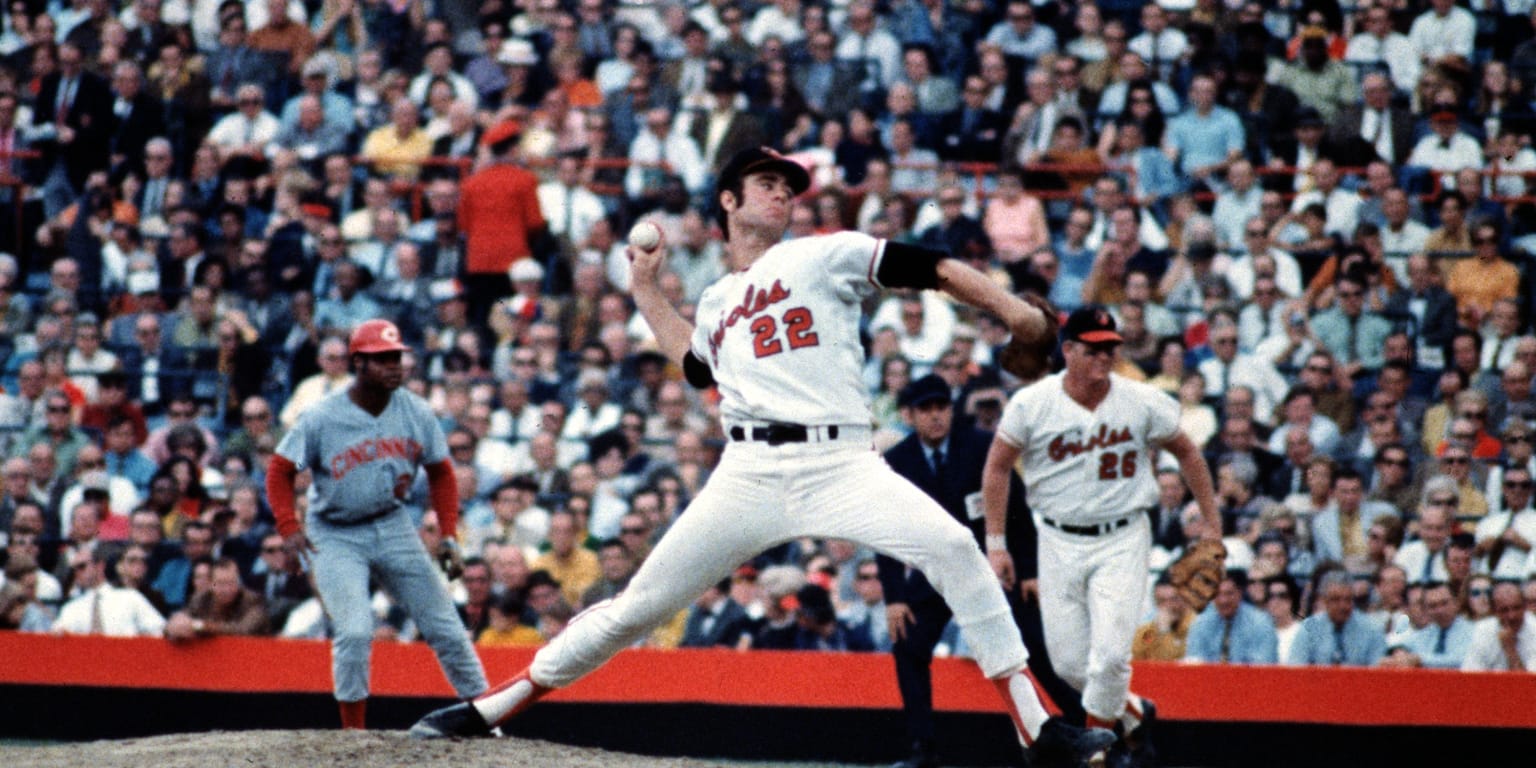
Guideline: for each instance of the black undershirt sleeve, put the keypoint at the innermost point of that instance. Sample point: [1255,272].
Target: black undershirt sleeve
[697,371]
[910,266]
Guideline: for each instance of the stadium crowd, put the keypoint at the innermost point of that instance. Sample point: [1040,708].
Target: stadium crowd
[1311,222]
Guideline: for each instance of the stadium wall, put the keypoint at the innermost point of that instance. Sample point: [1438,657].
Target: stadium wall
[764,704]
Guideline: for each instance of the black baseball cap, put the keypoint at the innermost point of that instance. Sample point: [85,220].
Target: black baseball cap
[1091,325]
[757,160]
[926,390]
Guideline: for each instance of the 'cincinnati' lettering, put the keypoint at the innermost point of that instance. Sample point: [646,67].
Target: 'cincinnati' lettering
[1060,448]
[755,301]
[374,449]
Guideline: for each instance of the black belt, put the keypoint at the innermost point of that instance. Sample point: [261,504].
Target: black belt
[779,434]
[1097,529]
[351,521]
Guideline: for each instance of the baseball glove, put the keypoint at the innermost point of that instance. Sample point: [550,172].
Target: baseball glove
[1198,573]
[1028,357]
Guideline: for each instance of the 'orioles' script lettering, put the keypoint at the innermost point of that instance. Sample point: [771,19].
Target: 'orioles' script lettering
[354,456]
[1060,448]
[755,301]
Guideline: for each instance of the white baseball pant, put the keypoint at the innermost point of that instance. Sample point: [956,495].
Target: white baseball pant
[760,496]
[1092,592]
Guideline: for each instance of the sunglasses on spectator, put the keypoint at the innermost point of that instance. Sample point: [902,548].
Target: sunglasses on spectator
[1480,592]
[1474,414]
[1455,459]
[1527,439]
[634,531]
[1444,502]
[1518,484]
[1393,462]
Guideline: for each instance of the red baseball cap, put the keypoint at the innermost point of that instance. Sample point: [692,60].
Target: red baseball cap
[375,337]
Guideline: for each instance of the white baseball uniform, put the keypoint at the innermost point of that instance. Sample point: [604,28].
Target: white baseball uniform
[781,339]
[1090,476]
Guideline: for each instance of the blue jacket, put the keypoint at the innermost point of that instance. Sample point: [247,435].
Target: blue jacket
[1252,639]
[1319,643]
[1425,643]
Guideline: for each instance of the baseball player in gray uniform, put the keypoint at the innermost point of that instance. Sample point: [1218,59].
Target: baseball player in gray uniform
[364,445]
[1089,440]
[779,335]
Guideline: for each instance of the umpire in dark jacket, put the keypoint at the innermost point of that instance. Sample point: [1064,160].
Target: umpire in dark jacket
[946,464]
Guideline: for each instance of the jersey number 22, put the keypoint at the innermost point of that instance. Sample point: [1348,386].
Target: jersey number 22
[798,324]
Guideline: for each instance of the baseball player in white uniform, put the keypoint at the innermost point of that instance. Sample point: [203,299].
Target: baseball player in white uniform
[1088,441]
[779,335]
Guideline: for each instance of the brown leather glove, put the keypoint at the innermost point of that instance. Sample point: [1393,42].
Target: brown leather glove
[1198,573]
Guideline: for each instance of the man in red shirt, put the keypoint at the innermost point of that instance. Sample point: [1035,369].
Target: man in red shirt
[499,215]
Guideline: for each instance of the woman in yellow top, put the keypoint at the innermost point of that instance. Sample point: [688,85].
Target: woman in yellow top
[1479,282]
[507,629]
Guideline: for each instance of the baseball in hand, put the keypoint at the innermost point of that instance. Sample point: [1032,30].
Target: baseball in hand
[644,236]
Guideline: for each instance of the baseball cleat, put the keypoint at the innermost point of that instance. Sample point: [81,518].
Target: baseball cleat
[459,721]
[1062,744]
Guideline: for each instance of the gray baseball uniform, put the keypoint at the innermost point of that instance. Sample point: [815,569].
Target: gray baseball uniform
[363,466]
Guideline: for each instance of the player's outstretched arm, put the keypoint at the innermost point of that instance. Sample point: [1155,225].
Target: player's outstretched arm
[672,331]
[994,499]
[1197,474]
[965,283]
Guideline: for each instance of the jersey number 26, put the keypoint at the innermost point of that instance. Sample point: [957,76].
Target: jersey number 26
[1116,466]
[798,329]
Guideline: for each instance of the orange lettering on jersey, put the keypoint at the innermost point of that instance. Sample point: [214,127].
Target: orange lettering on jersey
[374,449]
[753,302]
[1060,448]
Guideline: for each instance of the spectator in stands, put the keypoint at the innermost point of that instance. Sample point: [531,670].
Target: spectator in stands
[1509,641]
[1381,45]
[573,566]
[1204,139]
[279,579]
[1337,635]
[395,148]
[660,146]
[1164,638]
[1317,80]
[333,374]
[506,627]
[249,129]
[1456,460]
[1230,367]
[1517,439]
[1232,631]
[716,619]
[58,432]
[1441,645]
[1480,282]
[616,566]
[1019,34]
[102,608]
[1355,336]
[972,131]
[1442,36]
[227,608]
[284,34]
[1446,149]
[1424,558]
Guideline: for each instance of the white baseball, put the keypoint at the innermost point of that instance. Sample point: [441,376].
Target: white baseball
[644,236]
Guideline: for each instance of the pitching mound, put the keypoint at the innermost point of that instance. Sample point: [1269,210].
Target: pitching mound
[327,749]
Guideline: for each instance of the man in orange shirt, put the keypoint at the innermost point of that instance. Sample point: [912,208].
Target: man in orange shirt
[499,215]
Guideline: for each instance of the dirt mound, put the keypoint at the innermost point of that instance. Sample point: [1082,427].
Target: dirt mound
[325,749]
